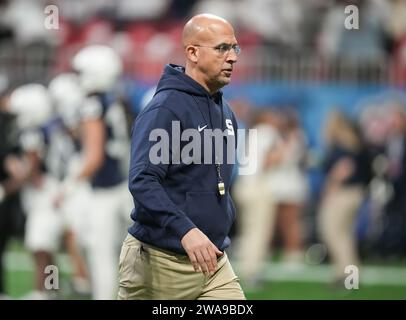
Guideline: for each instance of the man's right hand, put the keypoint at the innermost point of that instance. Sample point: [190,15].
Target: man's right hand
[201,251]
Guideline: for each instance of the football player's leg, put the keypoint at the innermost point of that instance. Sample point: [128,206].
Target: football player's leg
[103,243]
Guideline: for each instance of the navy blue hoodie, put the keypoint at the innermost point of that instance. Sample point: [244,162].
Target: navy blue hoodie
[170,199]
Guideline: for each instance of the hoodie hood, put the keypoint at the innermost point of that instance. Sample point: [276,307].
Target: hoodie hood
[174,78]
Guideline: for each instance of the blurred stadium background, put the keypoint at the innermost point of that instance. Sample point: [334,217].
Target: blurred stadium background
[298,64]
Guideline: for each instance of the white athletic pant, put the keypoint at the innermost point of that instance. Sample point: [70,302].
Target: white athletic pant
[44,225]
[109,217]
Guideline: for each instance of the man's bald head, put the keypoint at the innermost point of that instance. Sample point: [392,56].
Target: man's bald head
[203,27]
[204,38]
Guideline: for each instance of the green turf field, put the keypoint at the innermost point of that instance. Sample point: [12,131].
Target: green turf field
[320,291]
[385,281]
[19,283]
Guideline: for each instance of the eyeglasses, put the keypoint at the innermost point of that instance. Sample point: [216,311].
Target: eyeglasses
[224,48]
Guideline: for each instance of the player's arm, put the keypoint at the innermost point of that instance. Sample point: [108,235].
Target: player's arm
[93,140]
[21,169]
[18,172]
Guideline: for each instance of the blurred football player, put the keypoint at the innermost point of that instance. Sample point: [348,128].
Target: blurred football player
[105,152]
[11,216]
[33,109]
[63,161]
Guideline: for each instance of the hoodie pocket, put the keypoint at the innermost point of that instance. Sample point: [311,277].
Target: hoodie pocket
[210,214]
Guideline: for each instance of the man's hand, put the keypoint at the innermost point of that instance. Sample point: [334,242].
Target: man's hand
[201,251]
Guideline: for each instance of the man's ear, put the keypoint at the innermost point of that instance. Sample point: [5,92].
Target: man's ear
[192,53]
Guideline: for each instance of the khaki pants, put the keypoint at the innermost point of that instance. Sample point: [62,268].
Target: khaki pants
[256,225]
[336,223]
[148,273]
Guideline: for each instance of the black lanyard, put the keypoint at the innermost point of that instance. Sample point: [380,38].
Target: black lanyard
[220,183]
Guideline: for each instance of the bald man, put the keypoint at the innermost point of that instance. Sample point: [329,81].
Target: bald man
[183,211]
